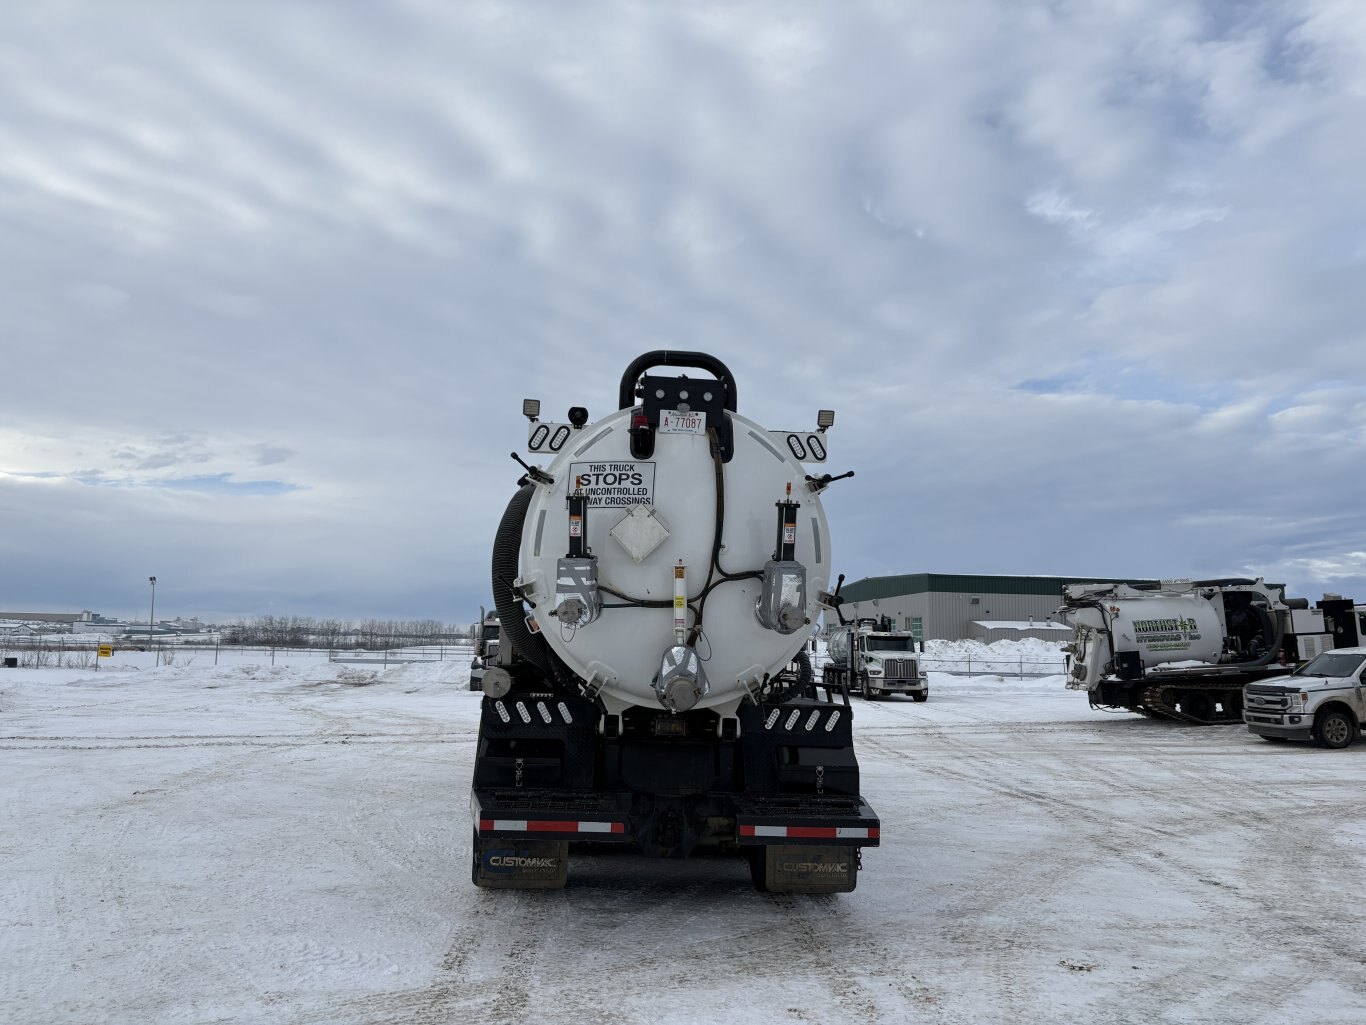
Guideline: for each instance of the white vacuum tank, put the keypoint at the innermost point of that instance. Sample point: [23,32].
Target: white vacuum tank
[647,519]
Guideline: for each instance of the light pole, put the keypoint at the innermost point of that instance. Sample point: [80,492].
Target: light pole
[151,616]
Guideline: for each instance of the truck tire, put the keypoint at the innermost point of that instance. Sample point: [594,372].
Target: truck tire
[1335,729]
[920,697]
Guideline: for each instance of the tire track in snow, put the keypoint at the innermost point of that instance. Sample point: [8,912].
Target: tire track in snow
[1156,843]
[236,740]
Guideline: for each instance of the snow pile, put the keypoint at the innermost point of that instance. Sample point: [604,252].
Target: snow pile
[1027,657]
[428,675]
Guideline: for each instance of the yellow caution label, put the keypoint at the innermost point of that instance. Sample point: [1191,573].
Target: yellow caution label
[106,651]
[680,601]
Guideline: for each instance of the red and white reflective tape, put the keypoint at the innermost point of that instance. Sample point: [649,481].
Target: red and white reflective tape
[549,826]
[812,832]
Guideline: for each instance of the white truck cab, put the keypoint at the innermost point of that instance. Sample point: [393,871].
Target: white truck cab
[874,660]
[485,648]
[1321,700]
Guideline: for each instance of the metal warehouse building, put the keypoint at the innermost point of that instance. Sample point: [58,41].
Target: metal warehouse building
[959,606]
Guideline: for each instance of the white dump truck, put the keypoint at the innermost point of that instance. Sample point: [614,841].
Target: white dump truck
[1185,649]
[658,578]
[868,657]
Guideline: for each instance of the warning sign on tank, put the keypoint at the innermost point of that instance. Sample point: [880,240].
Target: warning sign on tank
[615,484]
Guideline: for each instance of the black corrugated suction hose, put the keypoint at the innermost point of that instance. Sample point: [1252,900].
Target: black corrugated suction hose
[507,544]
[1275,621]
[801,686]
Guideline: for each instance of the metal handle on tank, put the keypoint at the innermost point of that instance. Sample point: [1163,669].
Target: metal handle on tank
[670,358]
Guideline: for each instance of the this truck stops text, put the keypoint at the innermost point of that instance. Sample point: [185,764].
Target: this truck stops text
[615,484]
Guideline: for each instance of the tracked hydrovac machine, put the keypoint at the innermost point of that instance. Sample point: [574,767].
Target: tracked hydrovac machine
[657,581]
[1184,649]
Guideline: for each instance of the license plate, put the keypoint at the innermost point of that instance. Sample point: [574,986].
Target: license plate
[671,421]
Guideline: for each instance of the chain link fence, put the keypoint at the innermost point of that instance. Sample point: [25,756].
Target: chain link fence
[81,651]
[1019,668]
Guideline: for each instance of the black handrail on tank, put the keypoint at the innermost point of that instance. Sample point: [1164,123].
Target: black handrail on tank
[670,358]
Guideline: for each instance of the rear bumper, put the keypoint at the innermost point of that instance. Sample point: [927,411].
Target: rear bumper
[550,815]
[805,819]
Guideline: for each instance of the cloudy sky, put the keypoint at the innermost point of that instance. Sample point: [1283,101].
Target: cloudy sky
[1083,280]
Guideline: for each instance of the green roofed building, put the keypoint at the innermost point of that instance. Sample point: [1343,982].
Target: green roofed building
[963,606]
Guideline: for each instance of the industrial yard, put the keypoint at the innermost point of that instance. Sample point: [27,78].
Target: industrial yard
[290,844]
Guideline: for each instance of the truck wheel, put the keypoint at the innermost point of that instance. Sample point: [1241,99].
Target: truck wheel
[921,697]
[1335,729]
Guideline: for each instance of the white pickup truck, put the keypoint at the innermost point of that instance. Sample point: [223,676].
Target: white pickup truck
[1321,700]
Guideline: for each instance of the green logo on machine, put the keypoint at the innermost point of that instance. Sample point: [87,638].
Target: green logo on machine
[1166,634]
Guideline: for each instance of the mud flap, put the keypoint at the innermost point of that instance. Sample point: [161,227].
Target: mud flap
[508,864]
[798,868]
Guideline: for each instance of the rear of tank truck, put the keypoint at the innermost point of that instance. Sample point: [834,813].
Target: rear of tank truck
[657,580]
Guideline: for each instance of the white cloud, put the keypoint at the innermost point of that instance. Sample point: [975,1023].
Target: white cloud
[1079,278]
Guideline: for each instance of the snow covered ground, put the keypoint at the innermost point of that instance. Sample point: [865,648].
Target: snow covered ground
[290,844]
